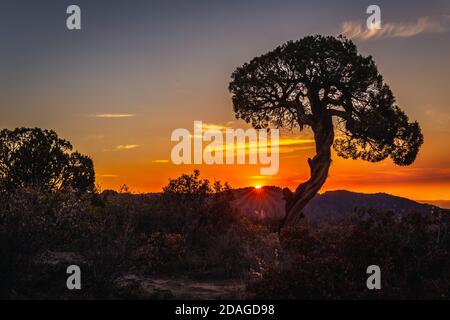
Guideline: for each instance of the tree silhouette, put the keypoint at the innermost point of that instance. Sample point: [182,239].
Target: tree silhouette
[325,84]
[40,159]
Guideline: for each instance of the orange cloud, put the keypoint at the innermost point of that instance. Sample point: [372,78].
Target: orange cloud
[359,31]
[124,147]
[114,115]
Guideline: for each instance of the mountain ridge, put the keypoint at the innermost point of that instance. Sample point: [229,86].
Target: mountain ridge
[326,207]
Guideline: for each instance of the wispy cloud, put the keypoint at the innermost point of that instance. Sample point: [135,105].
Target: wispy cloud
[262,177]
[107,176]
[124,147]
[95,136]
[415,175]
[209,126]
[127,146]
[113,115]
[439,119]
[285,145]
[161,161]
[358,30]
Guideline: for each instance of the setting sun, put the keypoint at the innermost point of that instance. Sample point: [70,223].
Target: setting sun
[258,187]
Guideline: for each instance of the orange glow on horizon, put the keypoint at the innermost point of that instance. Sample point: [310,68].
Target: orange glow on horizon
[421,181]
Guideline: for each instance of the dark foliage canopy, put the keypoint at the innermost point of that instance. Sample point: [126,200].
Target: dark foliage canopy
[40,159]
[307,82]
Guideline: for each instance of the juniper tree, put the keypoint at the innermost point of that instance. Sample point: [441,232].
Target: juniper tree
[323,83]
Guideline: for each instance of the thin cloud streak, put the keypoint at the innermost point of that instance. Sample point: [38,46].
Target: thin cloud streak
[127,146]
[285,145]
[123,147]
[358,31]
[107,176]
[113,115]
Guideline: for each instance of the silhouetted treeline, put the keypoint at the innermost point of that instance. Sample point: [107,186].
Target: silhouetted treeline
[196,234]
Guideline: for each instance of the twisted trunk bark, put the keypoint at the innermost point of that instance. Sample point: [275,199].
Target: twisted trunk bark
[319,166]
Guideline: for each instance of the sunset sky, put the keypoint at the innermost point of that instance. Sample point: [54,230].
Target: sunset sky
[140,69]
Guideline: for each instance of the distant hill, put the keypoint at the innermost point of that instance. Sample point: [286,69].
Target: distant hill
[327,207]
[330,206]
[445,204]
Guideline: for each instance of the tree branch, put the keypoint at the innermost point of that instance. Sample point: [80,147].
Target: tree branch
[338,113]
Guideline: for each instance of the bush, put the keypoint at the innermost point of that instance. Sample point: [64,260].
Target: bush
[33,223]
[331,262]
[183,232]
[194,232]
[164,252]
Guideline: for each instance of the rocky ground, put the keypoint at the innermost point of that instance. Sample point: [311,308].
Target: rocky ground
[139,287]
[52,283]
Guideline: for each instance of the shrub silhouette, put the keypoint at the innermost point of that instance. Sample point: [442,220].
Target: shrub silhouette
[330,262]
[118,234]
[39,159]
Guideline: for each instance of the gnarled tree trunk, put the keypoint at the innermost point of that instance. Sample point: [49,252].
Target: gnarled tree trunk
[319,165]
